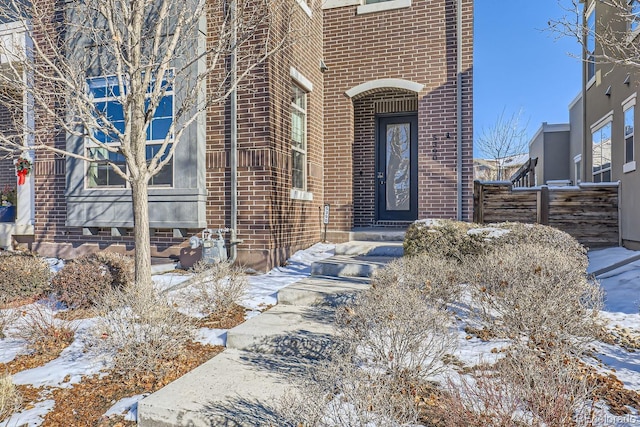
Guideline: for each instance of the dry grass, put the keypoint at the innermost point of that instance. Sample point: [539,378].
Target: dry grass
[9,397]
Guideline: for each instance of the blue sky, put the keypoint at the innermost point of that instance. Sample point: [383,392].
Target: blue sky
[521,65]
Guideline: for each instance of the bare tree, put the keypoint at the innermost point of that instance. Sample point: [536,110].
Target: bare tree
[609,41]
[506,138]
[137,52]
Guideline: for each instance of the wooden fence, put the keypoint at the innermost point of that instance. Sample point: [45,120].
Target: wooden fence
[588,212]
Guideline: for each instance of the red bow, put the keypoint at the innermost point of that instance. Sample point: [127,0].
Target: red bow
[22,174]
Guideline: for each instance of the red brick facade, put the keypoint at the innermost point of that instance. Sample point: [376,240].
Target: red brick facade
[415,43]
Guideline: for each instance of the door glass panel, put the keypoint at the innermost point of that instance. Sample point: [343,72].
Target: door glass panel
[398,166]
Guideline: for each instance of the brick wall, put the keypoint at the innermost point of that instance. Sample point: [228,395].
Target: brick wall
[418,44]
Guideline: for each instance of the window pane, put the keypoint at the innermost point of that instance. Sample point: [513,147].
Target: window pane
[297,128]
[101,174]
[165,176]
[298,162]
[298,97]
[160,128]
[165,107]
[635,14]
[606,176]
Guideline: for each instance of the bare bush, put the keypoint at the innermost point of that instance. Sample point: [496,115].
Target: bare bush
[9,397]
[524,388]
[43,332]
[339,393]
[458,240]
[392,339]
[81,282]
[549,237]
[22,276]
[444,239]
[396,330]
[438,279]
[219,288]
[7,317]
[141,329]
[536,293]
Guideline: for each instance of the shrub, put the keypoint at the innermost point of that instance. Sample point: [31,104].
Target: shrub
[140,329]
[7,317]
[457,240]
[22,276]
[396,330]
[524,388]
[220,287]
[9,397]
[43,332]
[443,238]
[438,279]
[537,293]
[81,281]
[339,393]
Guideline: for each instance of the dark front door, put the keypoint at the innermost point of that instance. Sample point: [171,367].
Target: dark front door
[397,168]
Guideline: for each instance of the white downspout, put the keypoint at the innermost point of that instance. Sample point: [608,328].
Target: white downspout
[459,109]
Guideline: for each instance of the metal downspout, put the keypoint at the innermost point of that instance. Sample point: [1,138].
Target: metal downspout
[233,156]
[459,109]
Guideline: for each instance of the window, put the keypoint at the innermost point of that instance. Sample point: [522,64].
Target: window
[577,162]
[634,14]
[601,153]
[590,44]
[298,138]
[108,108]
[628,134]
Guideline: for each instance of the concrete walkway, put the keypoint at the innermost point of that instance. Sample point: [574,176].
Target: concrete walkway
[243,384]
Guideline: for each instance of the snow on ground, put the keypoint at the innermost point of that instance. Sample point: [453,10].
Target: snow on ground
[621,286]
[74,362]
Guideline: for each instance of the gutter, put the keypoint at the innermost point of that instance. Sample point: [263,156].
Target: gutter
[459,109]
[233,155]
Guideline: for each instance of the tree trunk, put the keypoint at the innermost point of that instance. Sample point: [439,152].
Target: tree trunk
[140,195]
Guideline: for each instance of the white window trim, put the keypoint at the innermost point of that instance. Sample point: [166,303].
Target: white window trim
[302,193]
[577,159]
[629,167]
[383,6]
[301,80]
[604,121]
[629,102]
[607,118]
[297,194]
[626,104]
[305,7]
[332,4]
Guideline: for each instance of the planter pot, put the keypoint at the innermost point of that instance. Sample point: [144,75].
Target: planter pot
[7,213]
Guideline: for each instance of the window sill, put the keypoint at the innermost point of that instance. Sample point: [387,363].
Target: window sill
[301,195]
[383,6]
[303,4]
[629,167]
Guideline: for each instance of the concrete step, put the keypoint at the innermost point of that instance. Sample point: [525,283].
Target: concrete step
[287,330]
[321,291]
[235,388]
[348,266]
[377,234]
[390,249]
